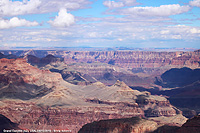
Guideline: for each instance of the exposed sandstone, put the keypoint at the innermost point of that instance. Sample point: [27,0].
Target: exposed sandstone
[28,73]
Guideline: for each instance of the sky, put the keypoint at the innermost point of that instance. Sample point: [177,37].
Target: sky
[100,23]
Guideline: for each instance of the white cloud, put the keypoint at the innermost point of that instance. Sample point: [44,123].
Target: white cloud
[177,32]
[63,19]
[163,10]
[113,34]
[15,22]
[12,8]
[113,4]
[164,32]
[194,30]
[129,2]
[195,3]
[121,3]
[54,5]
[92,34]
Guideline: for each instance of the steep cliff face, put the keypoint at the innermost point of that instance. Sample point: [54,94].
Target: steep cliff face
[135,59]
[24,72]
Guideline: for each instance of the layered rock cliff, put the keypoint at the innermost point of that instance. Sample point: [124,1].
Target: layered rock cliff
[133,59]
[128,59]
[27,73]
[66,106]
[135,68]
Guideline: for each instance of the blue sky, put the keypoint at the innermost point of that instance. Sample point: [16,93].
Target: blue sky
[100,23]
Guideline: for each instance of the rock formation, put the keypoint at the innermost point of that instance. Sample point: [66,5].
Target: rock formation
[27,73]
[128,125]
[52,103]
[40,62]
[134,59]
[127,58]
[140,125]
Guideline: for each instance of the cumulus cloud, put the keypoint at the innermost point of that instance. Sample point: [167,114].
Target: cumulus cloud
[195,3]
[122,3]
[12,8]
[163,10]
[15,22]
[63,19]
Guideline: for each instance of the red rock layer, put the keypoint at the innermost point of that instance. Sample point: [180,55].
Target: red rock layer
[27,73]
[30,116]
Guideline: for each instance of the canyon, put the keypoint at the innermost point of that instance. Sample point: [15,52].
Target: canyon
[135,68]
[67,89]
